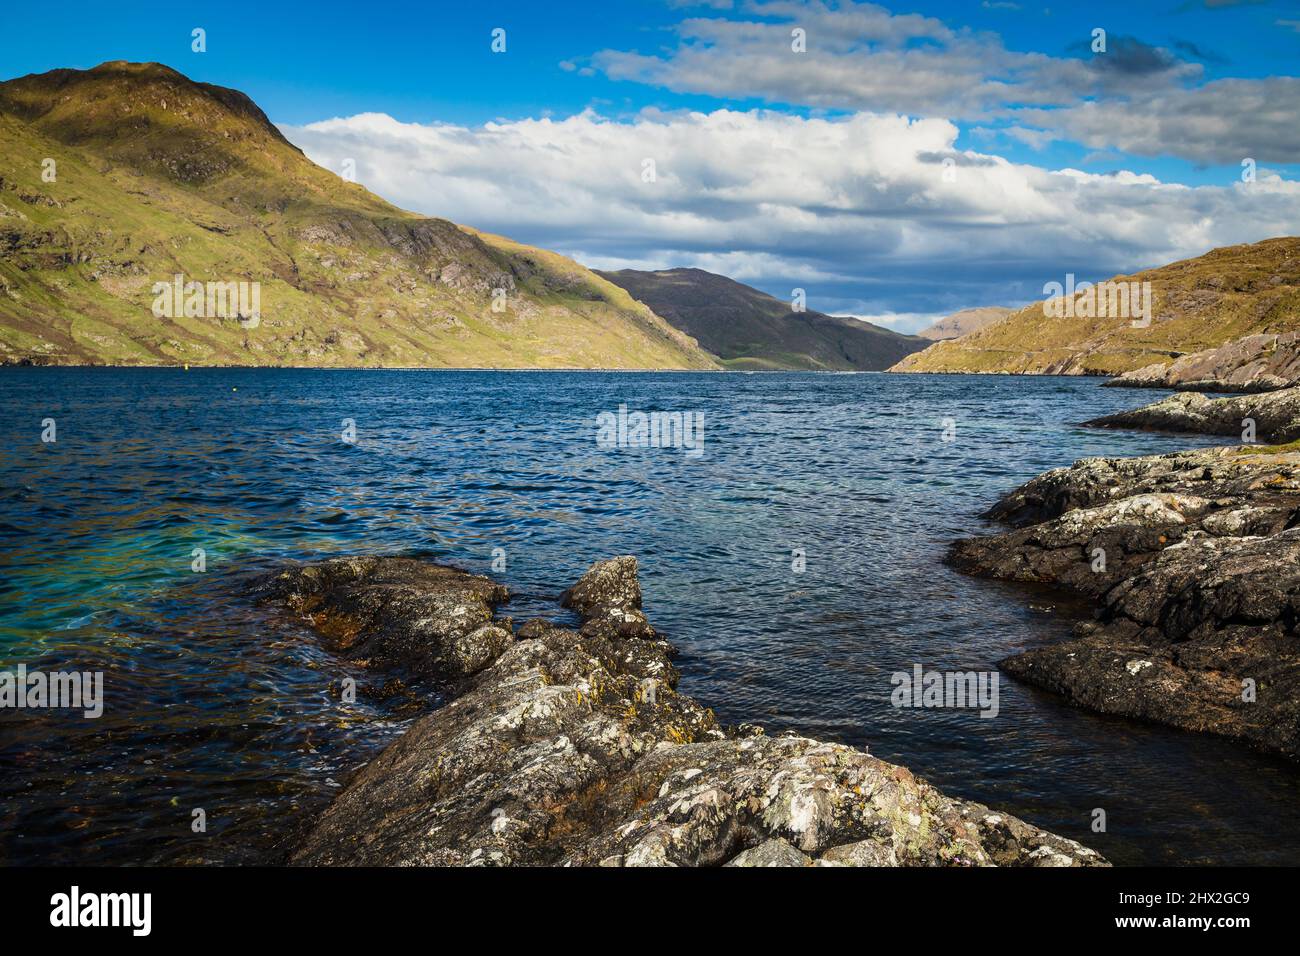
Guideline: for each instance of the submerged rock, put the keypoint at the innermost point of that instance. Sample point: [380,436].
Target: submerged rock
[399,613]
[1276,415]
[575,748]
[1195,563]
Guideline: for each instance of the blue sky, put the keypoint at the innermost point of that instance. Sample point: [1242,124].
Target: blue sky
[1011,92]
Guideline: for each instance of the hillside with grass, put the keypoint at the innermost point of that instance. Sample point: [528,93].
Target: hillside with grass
[1197,304]
[118,178]
[749,329]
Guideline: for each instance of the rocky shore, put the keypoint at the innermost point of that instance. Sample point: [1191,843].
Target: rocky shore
[568,745]
[1253,363]
[1276,415]
[1194,561]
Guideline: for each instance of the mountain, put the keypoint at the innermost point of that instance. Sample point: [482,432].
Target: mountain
[1197,304]
[748,329]
[116,180]
[964,322]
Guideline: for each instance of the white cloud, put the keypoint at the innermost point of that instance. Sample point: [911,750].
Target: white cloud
[860,56]
[1134,96]
[906,322]
[1220,122]
[856,209]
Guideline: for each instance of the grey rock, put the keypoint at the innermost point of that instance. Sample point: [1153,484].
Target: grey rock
[1228,475]
[862,853]
[1276,415]
[1199,599]
[608,598]
[774,852]
[1088,549]
[1254,363]
[575,748]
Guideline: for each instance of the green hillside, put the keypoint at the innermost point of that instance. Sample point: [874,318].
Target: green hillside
[1197,304]
[156,175]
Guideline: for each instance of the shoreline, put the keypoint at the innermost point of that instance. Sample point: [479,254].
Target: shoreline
[885,735]
[1193,563]
[564,747]
[472,368]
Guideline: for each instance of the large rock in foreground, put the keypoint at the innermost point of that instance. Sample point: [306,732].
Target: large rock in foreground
[1276,415]
[1195,562]
[574,747]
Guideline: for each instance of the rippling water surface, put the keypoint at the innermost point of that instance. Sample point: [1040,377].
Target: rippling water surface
[214,702]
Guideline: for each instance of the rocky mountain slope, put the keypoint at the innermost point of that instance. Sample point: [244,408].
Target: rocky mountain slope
[1198,304]
[1254,363]
[964,322]
[115,179]
[573,747]
[749,329]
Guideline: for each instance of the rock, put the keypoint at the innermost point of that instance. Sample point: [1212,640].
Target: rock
[1064,550]
[1276,415]
[574,747]
[1199,591]
[398,613]
[1254,363]
[608,597]
[862,853]
[1231,475]
[770,853]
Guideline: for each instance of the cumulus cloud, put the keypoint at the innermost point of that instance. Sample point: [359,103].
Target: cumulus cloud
[874,214]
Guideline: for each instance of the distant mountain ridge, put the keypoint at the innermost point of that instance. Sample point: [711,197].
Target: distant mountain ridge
[1198,304]
[116,179]
[749,329]
[964,322]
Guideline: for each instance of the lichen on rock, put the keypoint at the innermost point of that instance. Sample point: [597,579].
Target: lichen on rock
[575,748]
[1194,559]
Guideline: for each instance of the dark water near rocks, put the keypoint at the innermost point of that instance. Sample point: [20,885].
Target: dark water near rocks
[216,703]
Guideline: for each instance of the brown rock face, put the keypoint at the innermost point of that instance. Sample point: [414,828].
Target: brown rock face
[575,748]
[399,613]
[1195,561]
[1254,363]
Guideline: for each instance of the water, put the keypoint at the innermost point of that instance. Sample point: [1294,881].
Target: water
[219,704]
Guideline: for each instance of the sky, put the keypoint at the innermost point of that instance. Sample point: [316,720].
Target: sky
[895,161]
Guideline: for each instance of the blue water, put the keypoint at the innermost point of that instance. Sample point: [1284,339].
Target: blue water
[217,703]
